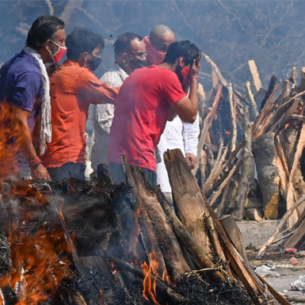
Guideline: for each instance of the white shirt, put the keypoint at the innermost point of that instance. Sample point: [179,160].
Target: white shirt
[177,134]
[102,116]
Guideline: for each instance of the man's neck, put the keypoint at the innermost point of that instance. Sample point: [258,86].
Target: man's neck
[168,66]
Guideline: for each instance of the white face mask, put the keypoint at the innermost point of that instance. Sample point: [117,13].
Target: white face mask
[59,54]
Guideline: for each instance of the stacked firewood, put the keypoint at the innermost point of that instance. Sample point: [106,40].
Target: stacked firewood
[251,146]
[96,243]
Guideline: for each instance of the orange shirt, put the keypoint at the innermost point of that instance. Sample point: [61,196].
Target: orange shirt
[72,89]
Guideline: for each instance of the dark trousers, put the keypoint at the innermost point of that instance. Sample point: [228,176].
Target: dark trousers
[67,170]
[117,174]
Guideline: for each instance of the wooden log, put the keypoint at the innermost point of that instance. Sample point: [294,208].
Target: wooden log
[146,228]
[289,141]
[226,181]
[297,239]
[302,82]
[268,177]
[254,214]
[255,75]
[186,239]
[173,256]
[235,236]
[284,93]
[271,87]
[254,111]
[209,120]
[233,118]
[243,185]
[280,226]
[228,195]
[187,195]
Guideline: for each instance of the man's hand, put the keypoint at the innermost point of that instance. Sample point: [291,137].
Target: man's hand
[191,160]
[195,68]
[40,172]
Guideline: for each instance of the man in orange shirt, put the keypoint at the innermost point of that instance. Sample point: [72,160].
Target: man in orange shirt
[73,87]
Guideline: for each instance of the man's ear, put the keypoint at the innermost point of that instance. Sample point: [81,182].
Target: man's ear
[180,61]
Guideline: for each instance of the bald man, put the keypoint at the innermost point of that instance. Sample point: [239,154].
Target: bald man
[157,43]
[177,134]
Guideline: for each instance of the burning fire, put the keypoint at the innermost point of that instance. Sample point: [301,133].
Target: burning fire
[9,143]
[150,283]
[37,269]
[228,132]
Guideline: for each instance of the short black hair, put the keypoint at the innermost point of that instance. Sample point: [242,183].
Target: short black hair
[184,49]
[42,29]
[82,40]
[123,43]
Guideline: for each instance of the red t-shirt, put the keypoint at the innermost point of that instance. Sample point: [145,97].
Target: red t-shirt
[141,111]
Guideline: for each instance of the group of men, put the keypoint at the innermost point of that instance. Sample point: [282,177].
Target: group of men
[45,107]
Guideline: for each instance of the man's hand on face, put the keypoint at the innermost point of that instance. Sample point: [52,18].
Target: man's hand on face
[191,160]
[40,172]
[195,68]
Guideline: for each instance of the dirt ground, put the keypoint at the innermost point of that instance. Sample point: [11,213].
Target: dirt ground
[255,233]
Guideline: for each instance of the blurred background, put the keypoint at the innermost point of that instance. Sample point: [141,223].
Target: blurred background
[230,32]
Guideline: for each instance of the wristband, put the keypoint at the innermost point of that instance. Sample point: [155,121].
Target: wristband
[34,163]
[194,77]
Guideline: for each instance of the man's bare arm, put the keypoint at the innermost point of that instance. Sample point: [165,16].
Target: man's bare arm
[24,138]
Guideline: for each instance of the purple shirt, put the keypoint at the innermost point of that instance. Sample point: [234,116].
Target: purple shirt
[21,84]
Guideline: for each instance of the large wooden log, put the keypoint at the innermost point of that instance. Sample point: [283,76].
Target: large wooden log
[146,228]
[268,177]
[289,140]
[243,186]
[181,181]
[187,195]
[174,259]
[186,239]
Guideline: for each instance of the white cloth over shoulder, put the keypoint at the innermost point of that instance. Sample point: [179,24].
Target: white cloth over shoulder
[177,134]
[45,111]
[102,116]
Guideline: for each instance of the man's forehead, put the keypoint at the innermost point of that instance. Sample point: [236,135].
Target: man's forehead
[137,46]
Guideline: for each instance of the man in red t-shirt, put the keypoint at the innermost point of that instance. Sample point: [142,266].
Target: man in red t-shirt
[144,105]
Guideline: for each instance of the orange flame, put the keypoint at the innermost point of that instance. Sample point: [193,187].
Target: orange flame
[10,141]
[38,271]
[228,132]
[150,282]
[287,125]
[101,302]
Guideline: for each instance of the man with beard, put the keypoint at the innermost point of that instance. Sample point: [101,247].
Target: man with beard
[73,88]
[130,54]
[25,100]
[144,104]
[177,134]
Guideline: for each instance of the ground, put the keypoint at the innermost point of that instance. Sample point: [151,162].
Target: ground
[255,233]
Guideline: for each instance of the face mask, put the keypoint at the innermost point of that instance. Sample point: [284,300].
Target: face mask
[185,75]
[94,62]
[154,56]
[60,52]
[137,63]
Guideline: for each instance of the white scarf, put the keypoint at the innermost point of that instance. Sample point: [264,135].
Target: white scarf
[45,111]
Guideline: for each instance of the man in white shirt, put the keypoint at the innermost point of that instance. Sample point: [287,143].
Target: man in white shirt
[177,134]
[130,54]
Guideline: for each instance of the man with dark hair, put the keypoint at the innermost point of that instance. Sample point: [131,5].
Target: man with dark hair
[177,134]
[25,100]
[130,54]
[144,104]
[73,88]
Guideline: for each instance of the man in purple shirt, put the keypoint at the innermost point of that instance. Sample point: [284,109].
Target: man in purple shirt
[24,98]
